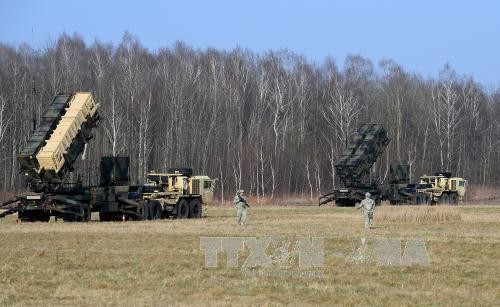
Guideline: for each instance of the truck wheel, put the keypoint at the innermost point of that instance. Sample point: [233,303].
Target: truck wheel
[195,208]
[182,209]
[166,214]
[104,217]
[142,211]
[413,200]
[454,199]
[419,199]
[427,200]
[155,210]
[445,199]
[87,214]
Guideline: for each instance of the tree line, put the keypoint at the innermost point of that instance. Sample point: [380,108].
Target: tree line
[273,123]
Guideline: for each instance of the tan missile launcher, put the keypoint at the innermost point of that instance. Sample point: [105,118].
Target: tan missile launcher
[81,108]
[49,154]
[58,140]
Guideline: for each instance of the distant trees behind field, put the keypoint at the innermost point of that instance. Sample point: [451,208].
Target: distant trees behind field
[272,123]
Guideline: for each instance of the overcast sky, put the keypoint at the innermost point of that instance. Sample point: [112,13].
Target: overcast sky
[420,35]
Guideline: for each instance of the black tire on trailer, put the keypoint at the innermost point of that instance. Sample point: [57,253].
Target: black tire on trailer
[142,211]
[80,214]
[155,210]
[444,199]
[427,200]
[41,216]
[413,200]
[419,199]
[195,208]
[104,216]
[345,202]
[454,199]
[182,209]
[72,215]
[45,216]
[33,216]
[166,214]
[87,214]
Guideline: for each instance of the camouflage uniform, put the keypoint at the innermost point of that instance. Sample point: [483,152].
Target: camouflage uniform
[241,204]
[368,206]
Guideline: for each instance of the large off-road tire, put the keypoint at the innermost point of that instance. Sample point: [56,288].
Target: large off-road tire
[34,216]
[166,214]
[419,199]
[195,209]
[142,211]
[345,202]
[444,199]
[182,209]
[87,214]
[413,200]
[427,200]
[155,210]
[453,199]
[105,216]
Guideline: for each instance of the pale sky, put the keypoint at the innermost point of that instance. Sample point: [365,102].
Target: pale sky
[420,35]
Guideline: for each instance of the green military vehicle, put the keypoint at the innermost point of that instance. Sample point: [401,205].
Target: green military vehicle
[359,157]
[354,166]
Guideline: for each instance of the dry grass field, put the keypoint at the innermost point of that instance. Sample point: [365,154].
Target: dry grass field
[160,262]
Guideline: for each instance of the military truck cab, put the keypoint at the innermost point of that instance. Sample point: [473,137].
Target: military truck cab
[179,194]
[445,189]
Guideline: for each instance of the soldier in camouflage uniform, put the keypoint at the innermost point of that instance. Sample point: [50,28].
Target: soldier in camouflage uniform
[241,204]
[368,206]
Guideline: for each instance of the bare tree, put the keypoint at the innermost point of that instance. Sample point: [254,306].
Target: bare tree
[273,123]
[447,114]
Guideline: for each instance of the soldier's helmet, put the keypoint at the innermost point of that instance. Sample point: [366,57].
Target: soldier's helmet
[240,191]
[367,195]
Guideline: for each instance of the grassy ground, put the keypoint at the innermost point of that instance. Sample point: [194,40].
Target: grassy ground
[160,263]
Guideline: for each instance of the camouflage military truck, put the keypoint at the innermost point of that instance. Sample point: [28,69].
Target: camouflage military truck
[354,166]
[441,188]
[49,154]
[176,193]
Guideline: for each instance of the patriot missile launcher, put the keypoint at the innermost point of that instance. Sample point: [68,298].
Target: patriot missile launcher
[49,154]
[354,166]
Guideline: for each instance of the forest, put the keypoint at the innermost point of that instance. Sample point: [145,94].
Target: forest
[273,123]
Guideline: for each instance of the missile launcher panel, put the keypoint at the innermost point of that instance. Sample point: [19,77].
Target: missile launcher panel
[360,155]
[59,139]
